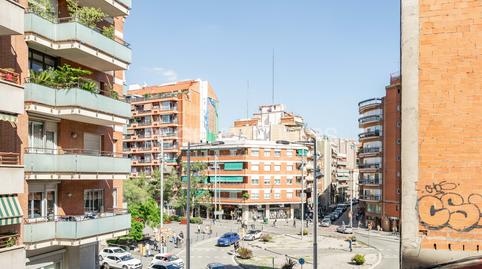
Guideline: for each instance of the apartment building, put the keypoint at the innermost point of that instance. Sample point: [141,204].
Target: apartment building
[61,125]
[441,133]
[253,179]
[172,114]
[379,157]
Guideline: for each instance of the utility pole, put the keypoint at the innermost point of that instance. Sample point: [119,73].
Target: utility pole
[161,170]
[315,203]
[216,198]
[188,211]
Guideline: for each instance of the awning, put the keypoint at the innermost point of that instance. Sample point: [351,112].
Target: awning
[10,210]
[233,166]
[226,179]
[8,117]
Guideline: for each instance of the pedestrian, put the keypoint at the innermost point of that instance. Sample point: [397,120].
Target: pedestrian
[148,250]
[350,244]
[294,223]
[274,222]
[198,229]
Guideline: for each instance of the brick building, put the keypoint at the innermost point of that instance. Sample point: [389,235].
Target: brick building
[61,141]
[441,68]
[260,179]
[379,157]
[176,113]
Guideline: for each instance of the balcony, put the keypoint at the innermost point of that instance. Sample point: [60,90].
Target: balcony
[12,173]
[370,181]
[370,119]
[76,104]
[75,164]
[371,198]
[369,104]
[76,42]
[75,230]
[11,18]
[369,152]
[113,8]
[370,134]
[369,167]
[11,90]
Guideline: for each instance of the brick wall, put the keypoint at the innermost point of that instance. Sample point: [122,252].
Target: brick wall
[450,119]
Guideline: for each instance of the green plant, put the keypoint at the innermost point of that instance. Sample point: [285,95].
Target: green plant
[12,241]
[136,230]
[175,218]
[266,238]
[196,220]
[245,253]
[43,8]
[43,78]
[108,31]
[89,16]
[305,231]
[358,259]
[245,196]
[89,86]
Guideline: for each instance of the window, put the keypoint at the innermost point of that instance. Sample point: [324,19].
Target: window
[289,153]
[35,204]
[289,195]
[254,152]
[277,181]
[277,195]
[255,167]
[42,136]
[277,153]
[267,152]
[254,195]
[255,181]
[39,61]
[289,180]
[94,201]
[267,167]
[277,168]
[289,168]
[267,195]
[267,181]
[41,204]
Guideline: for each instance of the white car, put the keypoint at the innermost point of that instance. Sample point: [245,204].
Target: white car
[252,235]
[169,258]
[112,251]
[345,229]
[326,222]
[122,262]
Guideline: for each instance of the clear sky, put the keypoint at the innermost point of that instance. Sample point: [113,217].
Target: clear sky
[329,54]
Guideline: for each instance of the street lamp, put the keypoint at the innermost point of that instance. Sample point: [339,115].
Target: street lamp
[161,170]
[316,175]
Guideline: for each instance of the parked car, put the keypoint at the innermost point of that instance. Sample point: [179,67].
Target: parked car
[228,239]
[215,265]
[345,229]
[123,262]
[326,222]
[163,265]
[112,251]
[168,257]
[252,235]
[333,216]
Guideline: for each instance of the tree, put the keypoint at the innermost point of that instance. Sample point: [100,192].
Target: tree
[172,184]
[199,192]
[136,190]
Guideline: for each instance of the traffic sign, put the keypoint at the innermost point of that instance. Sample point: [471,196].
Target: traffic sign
[301,261]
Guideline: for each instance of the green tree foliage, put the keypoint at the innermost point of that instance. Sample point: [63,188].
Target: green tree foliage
[172,184]
[199,194]
[43,8]
[136,190]
[136,230]
[89,16]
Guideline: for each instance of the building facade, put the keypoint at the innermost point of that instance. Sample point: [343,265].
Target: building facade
[175,113]
[62,117]
[441,133]
[253,179]
[379,158]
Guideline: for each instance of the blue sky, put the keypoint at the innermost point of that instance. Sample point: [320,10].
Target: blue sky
[329,54]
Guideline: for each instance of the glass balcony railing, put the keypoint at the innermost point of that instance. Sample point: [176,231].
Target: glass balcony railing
[370,165]
[370,150]
[63,30]
[371,197]
[369,134]
[369,119]
[43,160]
[370,181]
[75,227]
[369,102]
[76,97]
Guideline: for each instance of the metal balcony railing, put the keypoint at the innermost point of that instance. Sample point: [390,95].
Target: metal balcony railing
[370,165]
[370,150]
[369,102]
[371,118]
[8,240]
[371,197]
[369,134]
[9,76]
[9,158]
[370,181]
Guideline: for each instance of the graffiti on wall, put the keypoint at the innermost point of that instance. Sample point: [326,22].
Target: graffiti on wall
[441,205]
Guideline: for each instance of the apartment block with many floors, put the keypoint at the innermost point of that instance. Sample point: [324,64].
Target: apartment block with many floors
[67,135]
[379,158]
[175,113]
[253,179]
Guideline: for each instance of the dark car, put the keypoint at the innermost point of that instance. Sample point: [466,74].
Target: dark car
[215,265]
[228,239]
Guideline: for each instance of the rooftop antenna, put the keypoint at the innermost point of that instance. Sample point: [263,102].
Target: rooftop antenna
[247,99]
[272,81]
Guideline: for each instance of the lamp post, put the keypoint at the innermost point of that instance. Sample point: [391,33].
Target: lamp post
[303,195]
[216,198]
[188,213]
[161,170]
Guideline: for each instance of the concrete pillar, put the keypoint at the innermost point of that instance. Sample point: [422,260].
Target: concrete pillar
[266,211]
[292,211]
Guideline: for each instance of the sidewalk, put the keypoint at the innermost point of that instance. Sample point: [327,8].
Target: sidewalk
[381,234]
